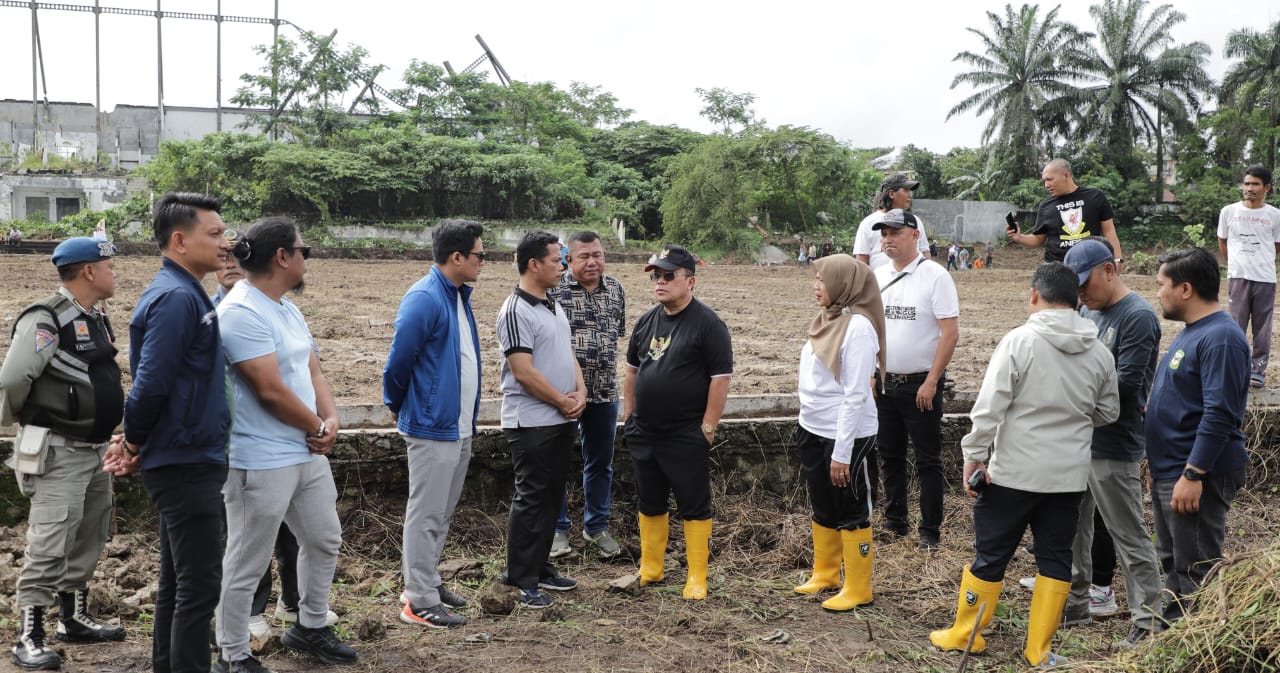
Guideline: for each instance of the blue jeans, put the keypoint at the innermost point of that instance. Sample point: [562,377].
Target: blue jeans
[598,428]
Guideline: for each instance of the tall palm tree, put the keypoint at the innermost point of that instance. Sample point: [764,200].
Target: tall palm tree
[1019,71]
[1255,80]
[1142,81]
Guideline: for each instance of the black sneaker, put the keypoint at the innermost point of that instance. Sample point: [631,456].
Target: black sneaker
[451,598]
[246,665]
[557,583]
[435,617]
[929,543]
[535,600]
[320,643]
[1136,636]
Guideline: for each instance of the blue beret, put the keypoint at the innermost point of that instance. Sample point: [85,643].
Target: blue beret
[82,249]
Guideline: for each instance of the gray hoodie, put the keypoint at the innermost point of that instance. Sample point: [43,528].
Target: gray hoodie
[1049,383]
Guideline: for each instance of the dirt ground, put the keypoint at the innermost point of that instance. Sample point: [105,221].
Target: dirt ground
[750,622]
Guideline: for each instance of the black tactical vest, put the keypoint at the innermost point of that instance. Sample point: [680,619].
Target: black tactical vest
[78,395]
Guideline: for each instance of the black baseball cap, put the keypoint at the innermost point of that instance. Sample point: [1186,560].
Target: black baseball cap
[897,219]
[673,257]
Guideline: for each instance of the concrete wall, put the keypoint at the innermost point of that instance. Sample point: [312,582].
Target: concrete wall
[963,221]
[93,192]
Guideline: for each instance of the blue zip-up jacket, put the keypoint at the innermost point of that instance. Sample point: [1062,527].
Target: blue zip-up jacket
[176,411]
[422,381]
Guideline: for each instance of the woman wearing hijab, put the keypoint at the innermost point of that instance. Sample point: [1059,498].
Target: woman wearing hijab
[838,426]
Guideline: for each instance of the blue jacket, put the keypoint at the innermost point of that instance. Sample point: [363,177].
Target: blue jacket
[177,407]
[422,381]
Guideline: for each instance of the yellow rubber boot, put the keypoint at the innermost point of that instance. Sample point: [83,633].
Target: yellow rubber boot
[1042,622]
[653,547]
[859,554]
[974,593]
[697,549]
[826,561]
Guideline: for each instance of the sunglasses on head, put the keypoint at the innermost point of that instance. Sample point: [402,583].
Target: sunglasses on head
[663,275]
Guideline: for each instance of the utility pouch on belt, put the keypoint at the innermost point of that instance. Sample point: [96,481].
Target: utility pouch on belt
[31,448]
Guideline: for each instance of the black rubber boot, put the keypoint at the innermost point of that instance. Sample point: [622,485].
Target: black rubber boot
[29,652]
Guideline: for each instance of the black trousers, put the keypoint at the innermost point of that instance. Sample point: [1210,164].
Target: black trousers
[188,499]
[670,462]
[1103,552]
[540,457]
[1000,517]
[900,421]
[287,567]
[841,508]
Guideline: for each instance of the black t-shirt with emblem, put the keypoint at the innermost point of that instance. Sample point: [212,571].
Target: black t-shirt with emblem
[1071,218]
[676,356]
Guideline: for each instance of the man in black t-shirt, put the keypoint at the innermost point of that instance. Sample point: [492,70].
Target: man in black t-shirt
[1071,214]
[679,362]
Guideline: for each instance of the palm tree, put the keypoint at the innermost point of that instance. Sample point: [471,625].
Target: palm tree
[983,183]
[1141,82]
[1255,80]
[1020,70]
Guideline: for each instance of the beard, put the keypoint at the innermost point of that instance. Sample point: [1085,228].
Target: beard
[297,289]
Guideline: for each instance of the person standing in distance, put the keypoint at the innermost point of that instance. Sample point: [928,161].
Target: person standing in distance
[1128,327]
[1195,445]
[921,312]
[543,395]
[896,193]
[1071,214]
[431,385]
[679,364]
[596,307]
[60,377]
[1249,238]
[176,421]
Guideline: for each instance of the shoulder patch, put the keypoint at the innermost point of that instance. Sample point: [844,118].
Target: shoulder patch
[44,338]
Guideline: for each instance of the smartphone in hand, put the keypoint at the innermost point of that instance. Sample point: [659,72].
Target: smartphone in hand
[1011,225]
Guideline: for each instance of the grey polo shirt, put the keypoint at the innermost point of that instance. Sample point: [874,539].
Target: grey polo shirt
[527,324]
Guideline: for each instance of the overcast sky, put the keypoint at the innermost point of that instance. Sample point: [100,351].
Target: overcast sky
[870,73]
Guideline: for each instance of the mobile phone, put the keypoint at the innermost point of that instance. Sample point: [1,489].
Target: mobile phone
[1011,225]
[978,481]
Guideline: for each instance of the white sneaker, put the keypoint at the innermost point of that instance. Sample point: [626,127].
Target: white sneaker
[1028,583]
[1102,601]
[286,616]
[258,627]
[560,546]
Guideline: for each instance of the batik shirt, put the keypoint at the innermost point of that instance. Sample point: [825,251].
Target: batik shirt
[597,319]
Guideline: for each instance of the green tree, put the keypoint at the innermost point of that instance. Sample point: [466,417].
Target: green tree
[1024,66]
[1254,81]
[924,166]
[1142,81]
[985,183]
[727,109]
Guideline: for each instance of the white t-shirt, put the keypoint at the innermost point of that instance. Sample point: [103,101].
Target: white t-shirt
[1251,235]
[841,410]
[867,240]
[912,308]
[470,376]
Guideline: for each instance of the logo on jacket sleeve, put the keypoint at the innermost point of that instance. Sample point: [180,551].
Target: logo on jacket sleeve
[44,339]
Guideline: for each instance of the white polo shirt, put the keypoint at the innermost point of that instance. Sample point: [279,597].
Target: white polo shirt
[867,240]
[912,308]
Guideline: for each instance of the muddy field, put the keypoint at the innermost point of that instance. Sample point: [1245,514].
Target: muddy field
[351,307]
[750,622]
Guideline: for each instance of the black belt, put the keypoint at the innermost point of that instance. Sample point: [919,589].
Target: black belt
[899,379]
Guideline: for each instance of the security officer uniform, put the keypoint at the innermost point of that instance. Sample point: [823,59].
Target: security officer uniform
[60,373]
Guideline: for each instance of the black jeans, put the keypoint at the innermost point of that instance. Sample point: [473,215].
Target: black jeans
[1188,545]
[847,508]
[287,567]
[900,421]
[1000,517]
[540,457]
[188,499]
[676,461]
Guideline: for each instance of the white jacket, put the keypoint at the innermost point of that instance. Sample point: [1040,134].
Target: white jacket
[1050,382]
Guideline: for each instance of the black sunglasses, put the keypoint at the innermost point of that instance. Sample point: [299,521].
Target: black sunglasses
[304,249]
[663,275]
[482,255]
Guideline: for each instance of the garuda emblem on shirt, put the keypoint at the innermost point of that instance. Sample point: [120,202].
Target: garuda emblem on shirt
[658,347]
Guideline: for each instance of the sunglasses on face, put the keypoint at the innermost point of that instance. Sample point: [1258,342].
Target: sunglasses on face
[663,275]
[482,255]
[304,249]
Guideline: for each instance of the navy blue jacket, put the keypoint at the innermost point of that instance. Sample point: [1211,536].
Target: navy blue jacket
[422,380]
[1198,400]
[177,408]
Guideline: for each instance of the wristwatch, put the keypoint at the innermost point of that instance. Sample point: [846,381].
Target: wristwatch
[1191,475]
[708,429]
[324,427]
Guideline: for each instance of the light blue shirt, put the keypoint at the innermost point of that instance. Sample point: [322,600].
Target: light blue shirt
[252,326]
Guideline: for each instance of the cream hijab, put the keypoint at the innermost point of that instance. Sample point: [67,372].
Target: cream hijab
[852,286]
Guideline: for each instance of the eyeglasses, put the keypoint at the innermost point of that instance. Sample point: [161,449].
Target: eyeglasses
[481,255]
[664,275]
[304,249]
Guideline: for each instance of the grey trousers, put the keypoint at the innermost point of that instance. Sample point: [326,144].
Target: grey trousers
[68,524]
[437,470]
[303,496]
[1252,304]
[1190,544]
[1115,489]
